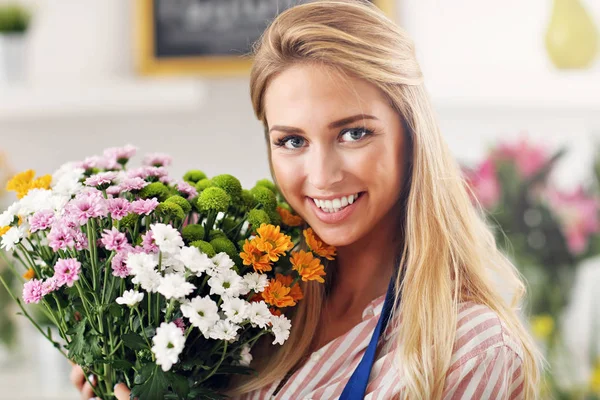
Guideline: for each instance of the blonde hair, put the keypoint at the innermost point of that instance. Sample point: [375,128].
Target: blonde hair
[447,247]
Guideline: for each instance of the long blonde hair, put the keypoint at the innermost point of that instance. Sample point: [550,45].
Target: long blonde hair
[447,248]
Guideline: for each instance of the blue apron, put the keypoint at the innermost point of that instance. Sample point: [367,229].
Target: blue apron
[357,385]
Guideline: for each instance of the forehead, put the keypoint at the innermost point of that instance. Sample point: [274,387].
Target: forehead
[321,92]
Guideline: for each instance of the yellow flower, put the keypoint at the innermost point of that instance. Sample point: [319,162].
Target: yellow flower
[309,268]
[23,182]
[316,244]
[542,326]
[252,256]
[272,242]
[288,218]
[29,275]
[595,379]
[4,229]
[278,295]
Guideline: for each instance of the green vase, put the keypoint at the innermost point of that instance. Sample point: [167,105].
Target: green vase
[572,37]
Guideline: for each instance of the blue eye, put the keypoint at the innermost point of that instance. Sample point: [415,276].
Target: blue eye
[290,142]
[356,134]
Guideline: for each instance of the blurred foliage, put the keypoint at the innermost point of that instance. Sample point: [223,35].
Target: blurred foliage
[13,18]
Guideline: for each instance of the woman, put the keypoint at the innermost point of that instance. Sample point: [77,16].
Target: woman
[355,149]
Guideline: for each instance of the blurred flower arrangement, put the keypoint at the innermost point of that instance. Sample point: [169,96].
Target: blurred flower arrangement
[161,283]
[7,325]
[546,231]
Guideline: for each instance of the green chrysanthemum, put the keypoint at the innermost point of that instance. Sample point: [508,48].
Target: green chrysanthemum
[181,202]
[222,244]
[192,233]
[230,184]
[258,217]
[203,184]
[268,184]
[170,211]
[216,233]
[194,203]
[155,189]
[193,176]
[214,199]
[228,224]
[265,197]
[274,217]
[204,247]
[248,200]
[129,220]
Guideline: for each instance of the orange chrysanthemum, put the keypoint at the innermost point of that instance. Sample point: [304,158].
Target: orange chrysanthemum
[295,291]
[29,275]
[309,268]
[23,182]
[288,218]
[317,245]
[272,242]
[278,295]
[253,256]
[4,229]
[275,311]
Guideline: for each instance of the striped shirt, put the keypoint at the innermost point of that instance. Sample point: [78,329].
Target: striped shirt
[486,362]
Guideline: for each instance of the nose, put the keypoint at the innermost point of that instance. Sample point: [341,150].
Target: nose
[324,169]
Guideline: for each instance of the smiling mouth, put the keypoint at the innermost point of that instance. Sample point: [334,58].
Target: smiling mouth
[337,204]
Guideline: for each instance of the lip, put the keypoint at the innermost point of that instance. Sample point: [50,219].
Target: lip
[334,218]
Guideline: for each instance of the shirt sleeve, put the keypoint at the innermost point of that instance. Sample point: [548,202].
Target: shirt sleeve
[493,374]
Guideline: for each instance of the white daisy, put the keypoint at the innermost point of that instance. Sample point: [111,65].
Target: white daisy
[224,330]
[12,237]
[66,180]
[194,260]
[202,312]
[141,261]
[281,328]
[148,279]
[36,200]
[259,314]
[130,298]
[7,217]
[246,357]
[222,263]
[168,343]
[171,263]
[174,286]
[166,238]
[235,309]
[227,283]
[256,282]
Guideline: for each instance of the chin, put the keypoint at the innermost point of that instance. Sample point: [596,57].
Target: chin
[332,237]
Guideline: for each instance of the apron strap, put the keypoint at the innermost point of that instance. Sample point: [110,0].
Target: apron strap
[357,384]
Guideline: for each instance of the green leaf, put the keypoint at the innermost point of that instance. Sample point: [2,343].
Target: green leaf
[180,385]
[154,386]
[134,341]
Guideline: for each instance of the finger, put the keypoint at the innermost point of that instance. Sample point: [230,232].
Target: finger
[87,392]
[122,392]
[77,377]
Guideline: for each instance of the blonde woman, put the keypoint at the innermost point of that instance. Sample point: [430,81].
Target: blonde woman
[409,309]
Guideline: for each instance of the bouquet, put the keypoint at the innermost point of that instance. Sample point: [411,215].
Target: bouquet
[160,283]
[547,231]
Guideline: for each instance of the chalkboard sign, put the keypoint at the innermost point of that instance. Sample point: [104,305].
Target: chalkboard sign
[211,37]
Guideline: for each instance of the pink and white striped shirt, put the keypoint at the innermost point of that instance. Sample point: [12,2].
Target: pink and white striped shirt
[486,362]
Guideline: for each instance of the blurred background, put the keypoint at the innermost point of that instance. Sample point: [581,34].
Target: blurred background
[516,87]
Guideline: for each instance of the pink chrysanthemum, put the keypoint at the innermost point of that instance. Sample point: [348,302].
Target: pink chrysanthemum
[49,285]
[81,240]
[133,183]
[157,160]
[113,239]
[41,220]
[61,237]
[118,263]
[86,206]
[32,291]
[144,206]
[67,271]
[148,243]
[114,190]
[180,324]
[186,189]
[118,208]
[102,178]
[120,154]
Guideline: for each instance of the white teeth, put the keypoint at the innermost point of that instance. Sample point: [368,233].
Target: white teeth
[351,198]
[328,204]
[335,205]
[317,202]
[345,201]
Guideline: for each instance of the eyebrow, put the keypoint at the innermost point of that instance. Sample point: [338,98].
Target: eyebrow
[336,124]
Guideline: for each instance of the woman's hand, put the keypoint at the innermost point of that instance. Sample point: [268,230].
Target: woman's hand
[77,377]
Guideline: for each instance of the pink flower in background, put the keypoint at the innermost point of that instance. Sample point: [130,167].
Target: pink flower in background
[144,206]
[118,208]
[187,189]
[148,172]
[120,153]
[86,206]
[114,190]
[157,160]
[101,178]
[32,291]
[114,240]
[98,162]
[578,215]
[484,184]
[180,324]
[61,237]
[528,158]
[49,285]
[148,243]
[133,183]
[118,263]
[67,271]
[41,220]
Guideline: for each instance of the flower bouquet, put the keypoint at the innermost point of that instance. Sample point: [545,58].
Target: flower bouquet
[546,231]
[163,284]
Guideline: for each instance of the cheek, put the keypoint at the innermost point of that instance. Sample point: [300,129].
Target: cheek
[288,176]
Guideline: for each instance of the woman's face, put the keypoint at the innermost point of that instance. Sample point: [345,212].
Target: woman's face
[333,138]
